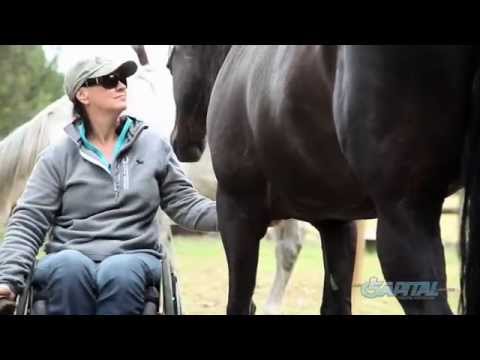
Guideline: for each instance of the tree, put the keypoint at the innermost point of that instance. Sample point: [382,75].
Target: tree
[28,84]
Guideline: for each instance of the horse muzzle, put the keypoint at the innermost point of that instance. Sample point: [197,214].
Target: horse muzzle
[189,153]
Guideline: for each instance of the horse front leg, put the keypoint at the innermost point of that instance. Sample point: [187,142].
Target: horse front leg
[242,223]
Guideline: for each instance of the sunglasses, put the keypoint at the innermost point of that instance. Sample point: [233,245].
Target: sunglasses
[107,81]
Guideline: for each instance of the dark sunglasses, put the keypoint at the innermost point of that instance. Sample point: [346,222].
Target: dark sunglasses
[107,81]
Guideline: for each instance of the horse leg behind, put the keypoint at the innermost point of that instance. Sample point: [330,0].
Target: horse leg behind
[289,242]
[358,269]
[166,236]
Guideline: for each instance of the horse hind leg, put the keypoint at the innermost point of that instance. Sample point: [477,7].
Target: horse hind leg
[339,245]
[289,243]
[411,251]
[4,215]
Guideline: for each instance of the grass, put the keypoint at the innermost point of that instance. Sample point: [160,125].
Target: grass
[202,270]
[203,278]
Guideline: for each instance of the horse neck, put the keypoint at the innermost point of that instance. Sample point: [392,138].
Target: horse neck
[141,54]
[216,55]
[20,149]
[14,150]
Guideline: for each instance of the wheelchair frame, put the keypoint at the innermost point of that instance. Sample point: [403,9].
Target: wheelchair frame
[169,302]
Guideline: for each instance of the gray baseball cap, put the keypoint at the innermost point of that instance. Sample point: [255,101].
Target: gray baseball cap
[93,67]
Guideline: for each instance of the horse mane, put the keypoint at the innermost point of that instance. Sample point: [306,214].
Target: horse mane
[215,56]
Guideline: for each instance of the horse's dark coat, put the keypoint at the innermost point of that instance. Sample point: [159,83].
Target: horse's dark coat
[328,135]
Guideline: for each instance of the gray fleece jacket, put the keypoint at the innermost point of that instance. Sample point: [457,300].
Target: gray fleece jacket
[97,210]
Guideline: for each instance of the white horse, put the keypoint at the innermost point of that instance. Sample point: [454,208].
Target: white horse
[19,151]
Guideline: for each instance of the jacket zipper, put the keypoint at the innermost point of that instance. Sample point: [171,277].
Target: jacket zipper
[126,181]
[130,143]
[111,173]
[100,165]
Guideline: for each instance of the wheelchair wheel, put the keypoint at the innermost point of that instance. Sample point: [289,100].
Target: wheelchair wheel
[171,298]
[25,300]
[176,303]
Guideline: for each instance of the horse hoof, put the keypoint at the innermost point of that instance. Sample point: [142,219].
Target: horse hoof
[271,310]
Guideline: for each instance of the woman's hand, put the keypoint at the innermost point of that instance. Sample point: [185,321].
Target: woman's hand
[7,293]
[7,300]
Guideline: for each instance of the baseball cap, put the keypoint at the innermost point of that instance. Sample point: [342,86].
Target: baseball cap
[94,67]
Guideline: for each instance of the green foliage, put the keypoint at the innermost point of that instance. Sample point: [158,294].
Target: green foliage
[28,84]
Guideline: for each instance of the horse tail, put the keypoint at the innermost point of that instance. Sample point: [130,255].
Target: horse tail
[470,224]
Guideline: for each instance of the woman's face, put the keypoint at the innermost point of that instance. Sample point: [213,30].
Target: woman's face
[98,97]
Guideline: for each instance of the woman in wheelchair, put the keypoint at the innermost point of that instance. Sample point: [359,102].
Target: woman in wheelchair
[98,192]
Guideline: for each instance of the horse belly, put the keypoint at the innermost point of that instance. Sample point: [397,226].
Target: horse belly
[314,186]
[309,177]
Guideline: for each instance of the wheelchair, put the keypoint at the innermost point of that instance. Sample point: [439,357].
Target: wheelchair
[161,299]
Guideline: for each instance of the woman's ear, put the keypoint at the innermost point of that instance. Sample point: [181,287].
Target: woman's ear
[82,96]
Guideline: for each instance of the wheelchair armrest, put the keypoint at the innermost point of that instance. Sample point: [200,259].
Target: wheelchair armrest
[7,307]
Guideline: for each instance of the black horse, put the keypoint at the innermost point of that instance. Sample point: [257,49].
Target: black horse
[329,135]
